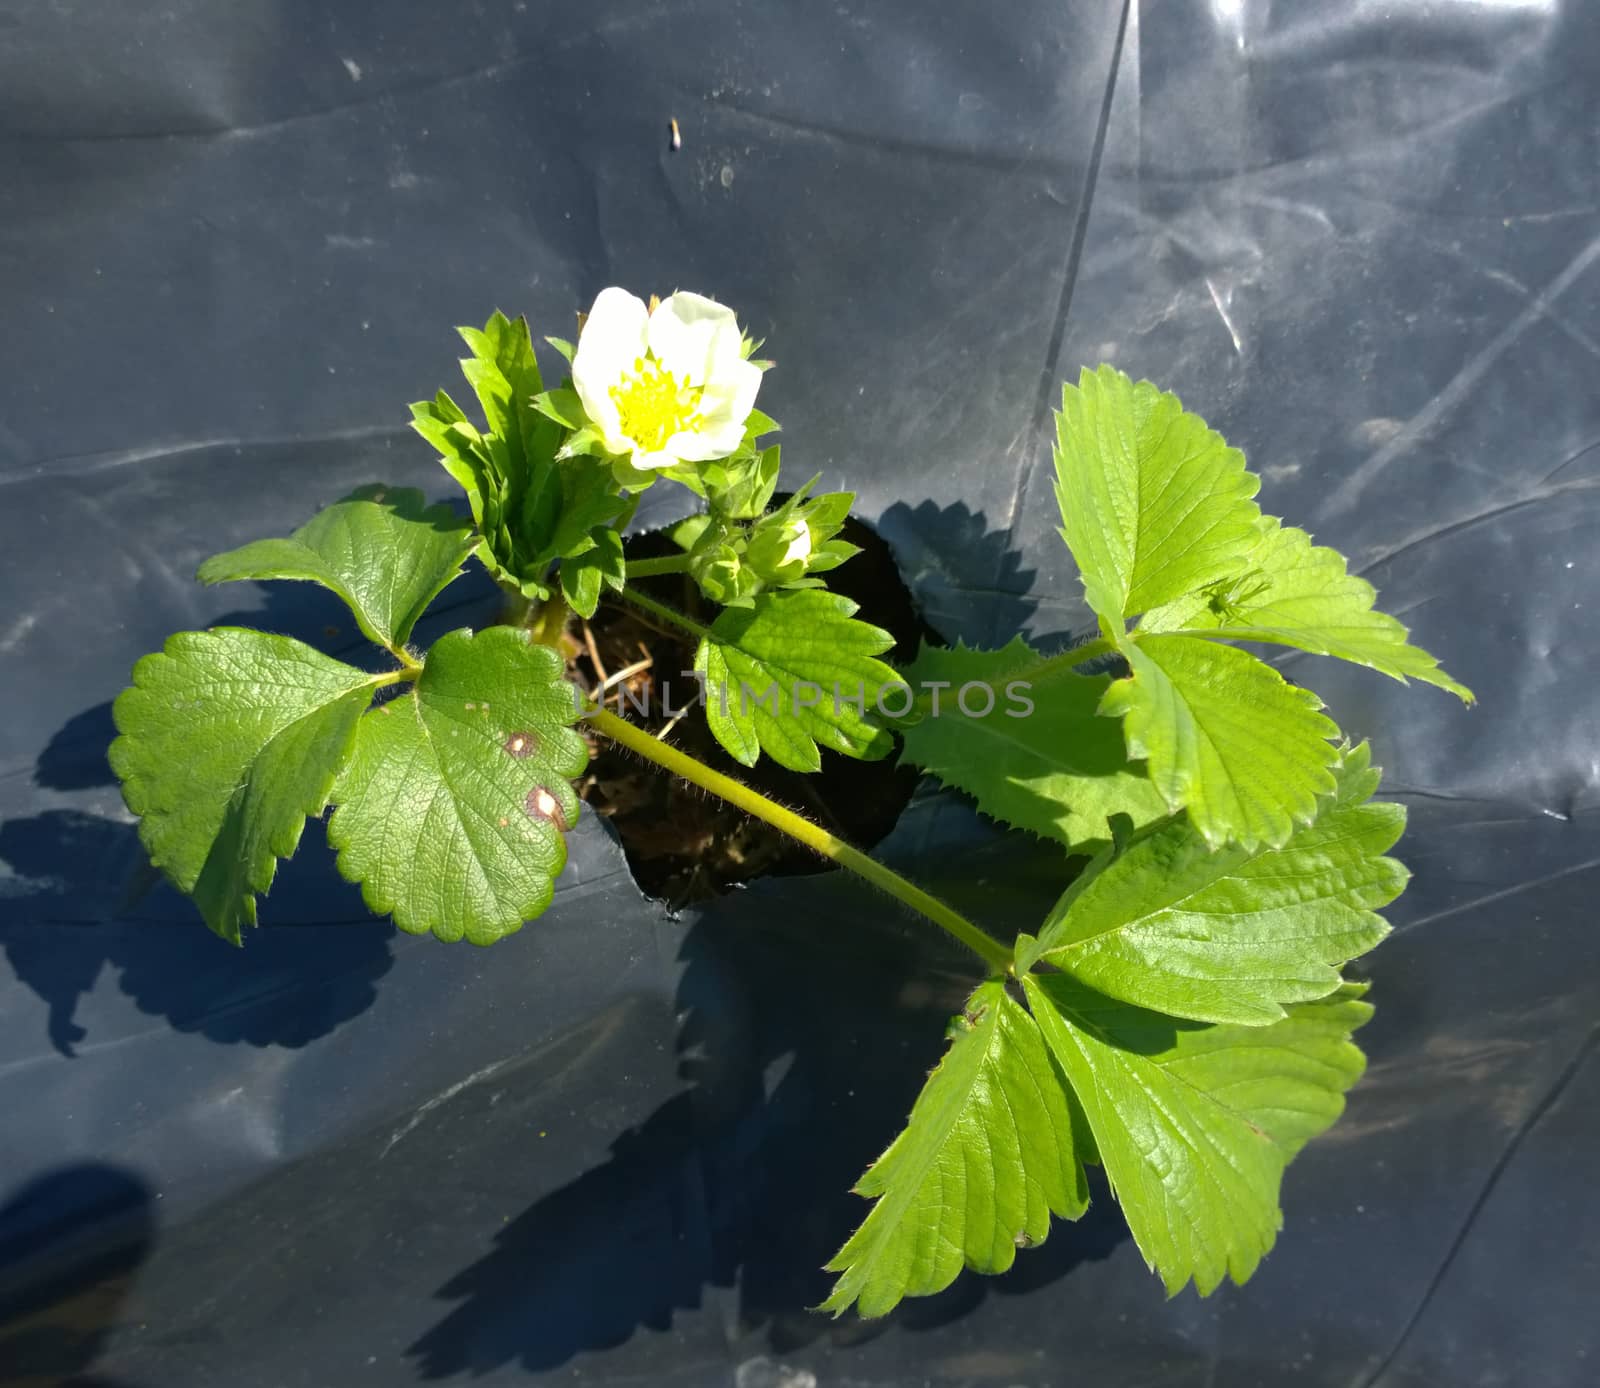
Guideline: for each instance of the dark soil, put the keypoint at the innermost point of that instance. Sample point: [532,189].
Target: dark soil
[683,845]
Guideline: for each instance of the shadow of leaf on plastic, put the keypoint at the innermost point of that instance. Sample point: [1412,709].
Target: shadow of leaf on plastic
[969,580]
[67,917]
[800,1068]
[71,1244]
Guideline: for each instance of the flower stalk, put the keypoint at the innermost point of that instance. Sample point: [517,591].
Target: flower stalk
[830,846]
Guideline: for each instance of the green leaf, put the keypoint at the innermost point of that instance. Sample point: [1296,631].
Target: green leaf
[1287,591]
[520,441]
[793,670]
[583,576]
[1226,736]
[382,549]
[590,503]
[504,374]
[1153,503]
[229,739]
[987,1156]
[1194,1123]
[1231,935]
[452,810]
[1040,758]
[461,452]
[535,494]
[563,406]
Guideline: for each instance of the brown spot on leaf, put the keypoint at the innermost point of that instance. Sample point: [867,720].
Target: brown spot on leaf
[522,745]
[543,804]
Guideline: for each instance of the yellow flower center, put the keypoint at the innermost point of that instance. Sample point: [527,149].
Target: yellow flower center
[654,405]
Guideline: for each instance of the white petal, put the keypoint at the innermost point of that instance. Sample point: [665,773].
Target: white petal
[741,380]
[714,439]
[607,420]
[688,333]
[614,336]
[724,409]
[665,457]
[799,549]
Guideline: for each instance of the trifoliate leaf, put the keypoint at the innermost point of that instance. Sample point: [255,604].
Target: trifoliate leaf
[229,739]
[1153,503]
[1195,1123]
[1019,733]
[1290,592]
[987,1156]
[1232,934]
[1225,736]
[583,576]
[790,671]
[453,808]
[382,549]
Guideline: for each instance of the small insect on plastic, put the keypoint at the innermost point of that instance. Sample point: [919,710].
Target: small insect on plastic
[677,135]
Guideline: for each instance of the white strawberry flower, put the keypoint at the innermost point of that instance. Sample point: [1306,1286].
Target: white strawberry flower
[664,386]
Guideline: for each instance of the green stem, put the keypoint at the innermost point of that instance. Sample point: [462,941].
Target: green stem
[814,837]
[1082,655]
[650,568]
[551,620]
[667,614]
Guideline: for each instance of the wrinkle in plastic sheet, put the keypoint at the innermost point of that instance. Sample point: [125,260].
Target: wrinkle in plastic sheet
[1360,240]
